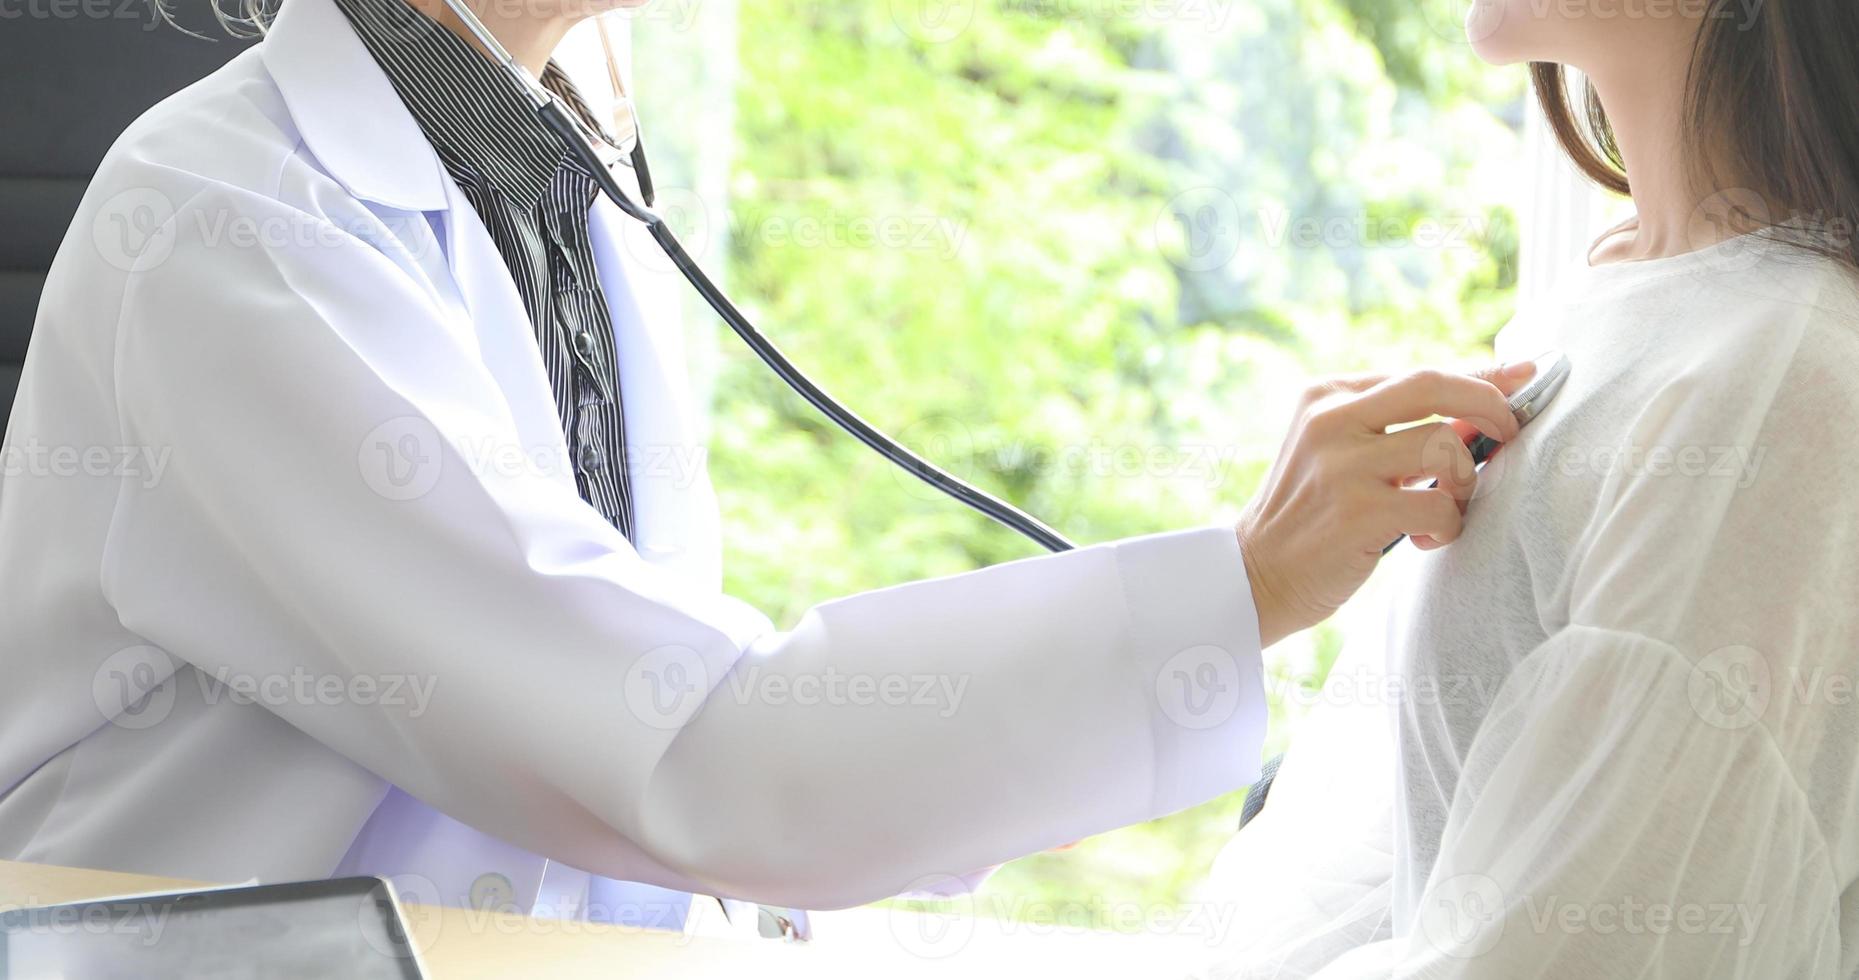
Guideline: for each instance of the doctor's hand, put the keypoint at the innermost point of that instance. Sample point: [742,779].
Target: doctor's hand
[1344,485]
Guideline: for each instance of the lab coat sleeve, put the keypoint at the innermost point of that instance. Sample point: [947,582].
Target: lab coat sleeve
[586,705]
[1665,788]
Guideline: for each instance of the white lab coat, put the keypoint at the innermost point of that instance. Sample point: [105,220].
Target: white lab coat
[317,456]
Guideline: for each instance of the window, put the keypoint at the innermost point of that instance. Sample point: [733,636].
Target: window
[1084,253]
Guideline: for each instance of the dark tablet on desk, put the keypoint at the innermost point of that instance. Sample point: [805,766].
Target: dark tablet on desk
[348,927]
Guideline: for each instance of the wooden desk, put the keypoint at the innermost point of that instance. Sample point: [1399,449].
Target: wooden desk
[860,944]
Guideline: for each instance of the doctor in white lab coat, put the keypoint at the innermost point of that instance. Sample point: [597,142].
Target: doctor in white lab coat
[295,579]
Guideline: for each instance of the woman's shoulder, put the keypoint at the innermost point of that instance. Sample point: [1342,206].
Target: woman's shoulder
[1741,309]
[1783,327]
[1798,305]
[1825,289]
[1822,376]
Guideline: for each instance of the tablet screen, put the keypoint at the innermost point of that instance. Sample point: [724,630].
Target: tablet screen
[344,928]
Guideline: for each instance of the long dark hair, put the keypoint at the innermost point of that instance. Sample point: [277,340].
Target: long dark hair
[1775,95]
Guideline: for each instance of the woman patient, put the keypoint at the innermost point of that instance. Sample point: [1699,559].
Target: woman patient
[1612,732]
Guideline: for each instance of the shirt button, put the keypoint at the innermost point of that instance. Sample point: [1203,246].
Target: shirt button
[584,342]
[589,457]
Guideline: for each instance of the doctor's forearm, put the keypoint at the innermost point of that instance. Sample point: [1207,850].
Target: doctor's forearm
[900,738]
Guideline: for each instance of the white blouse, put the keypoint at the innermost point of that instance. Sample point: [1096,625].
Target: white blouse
[1611,730]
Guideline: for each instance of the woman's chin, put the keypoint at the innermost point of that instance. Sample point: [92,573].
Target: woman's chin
[1492,52]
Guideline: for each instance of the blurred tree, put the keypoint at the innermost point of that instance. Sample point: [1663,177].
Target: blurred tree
[1083,252]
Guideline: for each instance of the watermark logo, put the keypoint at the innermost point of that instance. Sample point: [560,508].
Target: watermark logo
[939,932]
[400,459]
[835,688]
[411,694]
[1200,687]
[31,458]
[944,440]
[492,892]
[1445,457]
[133,688]
[1199,229]
[417,921]
[1460,21]
[666,685]
[1731,687]
[134,229]
[1463,916]
[933,21]
[689,218]
[1718,228]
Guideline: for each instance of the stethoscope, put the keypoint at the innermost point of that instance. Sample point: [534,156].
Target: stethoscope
[580,142]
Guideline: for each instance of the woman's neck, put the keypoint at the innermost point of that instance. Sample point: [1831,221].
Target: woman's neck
[1646,107]
[529,38]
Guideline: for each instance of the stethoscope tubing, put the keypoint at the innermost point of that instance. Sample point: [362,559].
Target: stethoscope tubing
[557,117]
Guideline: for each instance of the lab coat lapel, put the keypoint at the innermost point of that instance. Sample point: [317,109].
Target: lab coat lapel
[675,516]
[353,121]
[347,112]
[506,337]
[356,125]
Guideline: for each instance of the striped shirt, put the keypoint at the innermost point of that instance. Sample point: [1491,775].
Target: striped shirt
[534,198]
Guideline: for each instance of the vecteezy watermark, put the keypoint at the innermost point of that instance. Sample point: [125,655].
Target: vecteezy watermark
[851,229]
[300,686]
[1480,20]
[952,444]
[134,10]
[136,688]
[1204,228]
[832,687]
[1211,15]
[664,687]
[1742,13]
[1282,228]
[124,922]
[403,459]
[941,21]
[1735,230]
[933,21]
[1628,916]
[1741,464]
[697,222]
[937,917]
[30,457]
[676,15]
[1377,689]
[137,229]
[1466,915]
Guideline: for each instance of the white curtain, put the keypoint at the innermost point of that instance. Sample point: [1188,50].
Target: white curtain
[1560,211]
[678,60]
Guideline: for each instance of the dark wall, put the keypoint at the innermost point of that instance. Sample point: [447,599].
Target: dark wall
[73,74]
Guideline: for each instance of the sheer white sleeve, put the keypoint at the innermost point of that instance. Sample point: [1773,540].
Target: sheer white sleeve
[1665,788]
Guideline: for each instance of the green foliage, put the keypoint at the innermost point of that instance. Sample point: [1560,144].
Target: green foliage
[1084,258]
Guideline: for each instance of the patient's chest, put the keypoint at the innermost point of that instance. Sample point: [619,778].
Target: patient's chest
[1464,616]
